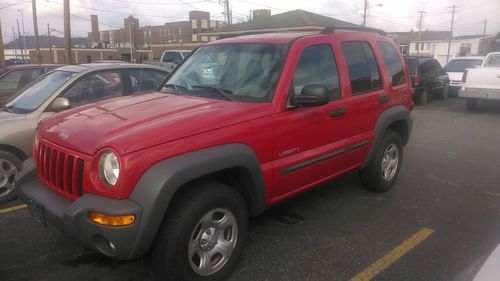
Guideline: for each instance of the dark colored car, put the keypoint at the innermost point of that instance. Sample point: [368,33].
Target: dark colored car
[15,77]
[427,78]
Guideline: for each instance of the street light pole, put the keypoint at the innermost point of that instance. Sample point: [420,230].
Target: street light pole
[35,27]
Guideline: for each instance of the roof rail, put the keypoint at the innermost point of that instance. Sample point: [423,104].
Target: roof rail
[331,29]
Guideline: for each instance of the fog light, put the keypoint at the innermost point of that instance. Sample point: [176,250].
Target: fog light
[112,220]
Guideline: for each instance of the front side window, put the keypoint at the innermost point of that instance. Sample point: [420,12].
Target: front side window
[95,87]
[317,66]
[243,72]
[493,61]
[392,63]
[363,70]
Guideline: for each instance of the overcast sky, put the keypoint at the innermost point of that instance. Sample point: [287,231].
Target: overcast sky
[394,15]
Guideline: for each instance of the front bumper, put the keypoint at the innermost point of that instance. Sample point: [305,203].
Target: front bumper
[482,94]
[73,217]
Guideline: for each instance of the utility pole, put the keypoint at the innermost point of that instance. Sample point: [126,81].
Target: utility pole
[50,44]
[451,32]
[420,31]
[15,42]
[35,27]
[24,33]
[130,36]
[228,12]
[484,29]
[19,36]
[364,13]
[67,33]
[2,54]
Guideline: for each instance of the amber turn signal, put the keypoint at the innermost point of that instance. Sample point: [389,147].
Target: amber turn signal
[112,220]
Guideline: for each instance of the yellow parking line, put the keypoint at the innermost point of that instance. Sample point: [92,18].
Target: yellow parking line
[18,207]
[396,253]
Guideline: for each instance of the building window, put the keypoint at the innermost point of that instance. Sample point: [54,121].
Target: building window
[416,46]
[422,46]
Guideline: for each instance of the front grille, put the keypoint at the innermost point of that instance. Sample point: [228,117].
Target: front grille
[60,170]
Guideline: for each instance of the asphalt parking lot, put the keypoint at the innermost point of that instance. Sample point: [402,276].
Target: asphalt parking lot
[439,222]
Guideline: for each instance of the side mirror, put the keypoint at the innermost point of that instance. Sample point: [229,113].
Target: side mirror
[60,104]
[311,95]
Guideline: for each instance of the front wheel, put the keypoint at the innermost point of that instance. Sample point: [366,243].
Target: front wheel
[383,170]
[423,98]
[202,235]
[10,164]
[443,95]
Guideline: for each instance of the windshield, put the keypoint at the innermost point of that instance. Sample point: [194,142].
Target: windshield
[240,72]
[462,64]
[38,91]
[493,61]
[412,66]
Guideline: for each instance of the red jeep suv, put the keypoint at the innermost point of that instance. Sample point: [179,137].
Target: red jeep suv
[242,124]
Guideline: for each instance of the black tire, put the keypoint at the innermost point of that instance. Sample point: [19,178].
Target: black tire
[169,257]
[443,95]
[372,175]
[423,98]
[471,104]
[8,189]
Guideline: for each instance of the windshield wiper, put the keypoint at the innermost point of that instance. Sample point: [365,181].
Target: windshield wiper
[226,94]
[175,87]
[5,108]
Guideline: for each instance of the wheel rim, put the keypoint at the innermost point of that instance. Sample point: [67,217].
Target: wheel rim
[212,241]
[390,162]
[8,173]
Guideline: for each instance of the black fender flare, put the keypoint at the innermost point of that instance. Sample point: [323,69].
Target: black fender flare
[159,183]
[388,117]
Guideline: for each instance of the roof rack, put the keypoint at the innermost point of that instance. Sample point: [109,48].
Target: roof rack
[331,29]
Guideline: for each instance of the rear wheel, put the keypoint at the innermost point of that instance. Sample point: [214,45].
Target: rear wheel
[423,98]
[10,164]
[202,235]
[383,170]
[471,104]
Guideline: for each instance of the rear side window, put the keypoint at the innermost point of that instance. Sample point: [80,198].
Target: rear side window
[392,63]
[317,66]
[173,57]
[429,67]
[363,70]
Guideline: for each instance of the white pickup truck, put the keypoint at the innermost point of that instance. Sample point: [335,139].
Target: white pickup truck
[482,83]
[170,59]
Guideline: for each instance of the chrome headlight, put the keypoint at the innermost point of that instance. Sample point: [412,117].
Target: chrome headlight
[109,168]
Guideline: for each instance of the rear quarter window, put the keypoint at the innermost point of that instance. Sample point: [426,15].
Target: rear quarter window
[363,69]
[393,63]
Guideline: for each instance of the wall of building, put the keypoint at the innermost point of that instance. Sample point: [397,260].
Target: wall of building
[439,49]
[56,55]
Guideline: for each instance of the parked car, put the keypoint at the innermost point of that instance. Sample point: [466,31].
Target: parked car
[170,58]
[187,166]
[482,83]
[456,68]
[427,78]
[64,88]
[14,77]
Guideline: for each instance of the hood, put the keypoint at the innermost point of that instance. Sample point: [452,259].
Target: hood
[8,116]
[455,76]
[132,123]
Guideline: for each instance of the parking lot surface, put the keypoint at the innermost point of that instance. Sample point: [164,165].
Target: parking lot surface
[439,222]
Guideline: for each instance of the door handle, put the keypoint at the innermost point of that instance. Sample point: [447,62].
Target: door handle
[383,99]
[338,112]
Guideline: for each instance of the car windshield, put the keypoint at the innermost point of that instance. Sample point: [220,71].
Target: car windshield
[461,64]
[38,91]
[493,61]
[412,66]
[239,72]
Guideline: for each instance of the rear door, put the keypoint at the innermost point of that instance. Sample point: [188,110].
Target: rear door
[399,89]
[312,143]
